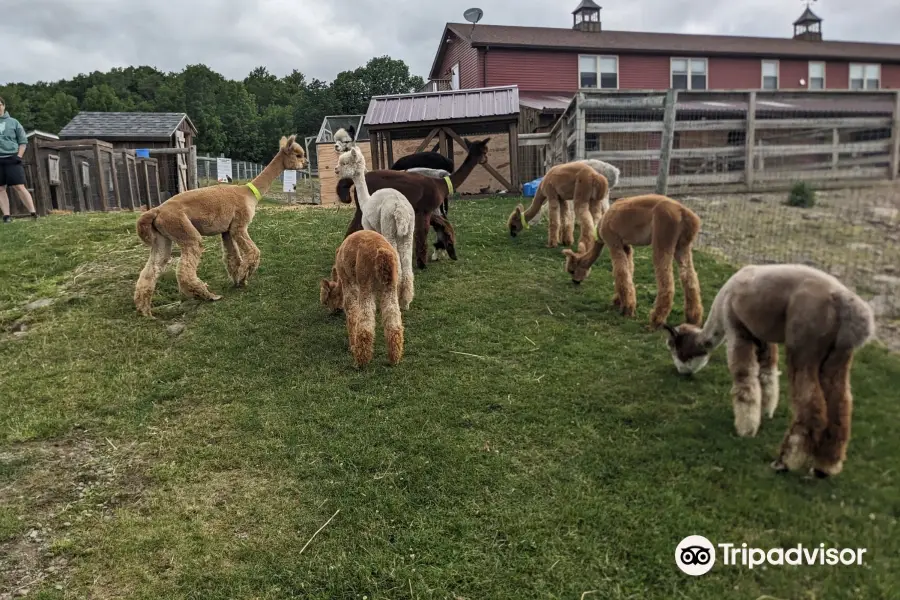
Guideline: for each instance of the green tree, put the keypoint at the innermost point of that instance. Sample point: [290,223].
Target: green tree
[56,112]
[103,98]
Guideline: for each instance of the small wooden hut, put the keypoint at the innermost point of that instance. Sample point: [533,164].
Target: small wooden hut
[169,138]
[326,155]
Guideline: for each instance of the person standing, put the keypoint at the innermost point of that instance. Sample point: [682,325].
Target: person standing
[12,174]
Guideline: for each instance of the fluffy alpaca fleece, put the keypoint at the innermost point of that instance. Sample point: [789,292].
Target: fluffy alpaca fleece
[388,212]
[343,139]
[820,322]
[186,218]
[589,191]
[444,245]
[652,220]
[366,271]
[609,171]
[424,193]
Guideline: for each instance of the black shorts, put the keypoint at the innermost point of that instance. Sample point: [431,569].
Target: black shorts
[11,171]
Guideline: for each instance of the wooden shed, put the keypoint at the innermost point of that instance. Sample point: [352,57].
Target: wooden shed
[326,155]
[169,137]
[405,123]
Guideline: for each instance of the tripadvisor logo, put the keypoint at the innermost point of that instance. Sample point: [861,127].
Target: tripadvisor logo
[696,555]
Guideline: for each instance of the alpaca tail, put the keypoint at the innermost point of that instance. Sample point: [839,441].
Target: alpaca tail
[145,229]
[856,321]
[387,267]
[404,221]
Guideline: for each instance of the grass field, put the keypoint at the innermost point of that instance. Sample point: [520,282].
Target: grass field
[532,443]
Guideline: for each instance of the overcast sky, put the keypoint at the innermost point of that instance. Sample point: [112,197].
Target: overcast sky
[49,40]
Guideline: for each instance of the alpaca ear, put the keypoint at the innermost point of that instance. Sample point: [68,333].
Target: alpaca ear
[672,333]
[283,143]
[352,132]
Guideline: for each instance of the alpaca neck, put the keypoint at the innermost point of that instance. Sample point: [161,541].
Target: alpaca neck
[362,189]
[264,180]
[593,253]
[459,176]
[713,332]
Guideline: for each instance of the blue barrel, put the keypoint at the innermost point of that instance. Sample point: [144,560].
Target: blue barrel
[142,153]
[530,188]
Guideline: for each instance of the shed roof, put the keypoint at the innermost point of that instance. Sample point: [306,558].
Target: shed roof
[42,134]
[639,42]
[451,105]
[125,125]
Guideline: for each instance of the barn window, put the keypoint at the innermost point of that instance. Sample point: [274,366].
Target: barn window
[816,75]
[598,72]
[689,73]
[865,77]
[770,74]
[454,77]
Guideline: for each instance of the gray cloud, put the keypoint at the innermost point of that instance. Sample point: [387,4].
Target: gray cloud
[48,40]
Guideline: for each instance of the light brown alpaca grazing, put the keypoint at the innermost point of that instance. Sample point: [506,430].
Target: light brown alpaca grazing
[820,322]
[185,218]
[652,220]
[589,191]
[366,269]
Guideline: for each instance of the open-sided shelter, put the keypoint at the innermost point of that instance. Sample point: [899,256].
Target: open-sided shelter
[326,156]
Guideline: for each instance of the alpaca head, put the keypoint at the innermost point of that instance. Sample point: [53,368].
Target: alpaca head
[578,266]
[350,164]
[446,239]
[292,154]
[343,139]
[330,294]
[516,221]
[479,150]
[689,353]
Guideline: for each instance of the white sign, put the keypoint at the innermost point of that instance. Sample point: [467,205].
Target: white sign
[290,181]
[223,169]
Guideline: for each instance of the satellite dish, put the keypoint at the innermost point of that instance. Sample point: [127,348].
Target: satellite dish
[473,15]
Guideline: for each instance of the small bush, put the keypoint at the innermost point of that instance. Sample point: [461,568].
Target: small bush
[802,195]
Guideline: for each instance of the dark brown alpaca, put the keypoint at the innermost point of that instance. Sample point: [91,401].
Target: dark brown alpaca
[426,194]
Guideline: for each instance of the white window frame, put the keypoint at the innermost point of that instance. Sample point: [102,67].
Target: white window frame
[863,67]
[762,76]
[809,76]
[689,61]
[597,58]
[454,77]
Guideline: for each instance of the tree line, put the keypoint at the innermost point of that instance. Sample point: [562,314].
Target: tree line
[241,119]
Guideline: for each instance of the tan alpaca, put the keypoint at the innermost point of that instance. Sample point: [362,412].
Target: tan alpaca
[820,322]
[652,220]
[185,218]
[589,191]
[366,269]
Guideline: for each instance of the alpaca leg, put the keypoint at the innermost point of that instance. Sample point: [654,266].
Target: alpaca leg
[767,356]
[665,284]
[831,451]
[350,304]
[393,325]
[362,345]
[232,256]
[624,286]
[554,218]
[629,265]
[693,305]
[809,415]
[746,395]
[586,225]
[188,282]
[160,254]
[567,217]
[420,241]
[407,276]
[250,254]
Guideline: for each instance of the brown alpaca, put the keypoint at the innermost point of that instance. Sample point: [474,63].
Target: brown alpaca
[589,191]
[820,322]
[426,195]
[652,220]
[185,218]
[366,269]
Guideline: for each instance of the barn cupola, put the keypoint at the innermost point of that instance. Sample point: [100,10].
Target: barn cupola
[808,27]
[586,17]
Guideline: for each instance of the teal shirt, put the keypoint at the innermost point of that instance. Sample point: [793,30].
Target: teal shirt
[12,135]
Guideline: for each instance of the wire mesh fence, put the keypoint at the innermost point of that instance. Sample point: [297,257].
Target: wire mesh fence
[806,177]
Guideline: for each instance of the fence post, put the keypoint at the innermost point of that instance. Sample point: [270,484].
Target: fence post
[580,136]
[750,141]
[193,182]
[665,144]
[100,187]
[895,139]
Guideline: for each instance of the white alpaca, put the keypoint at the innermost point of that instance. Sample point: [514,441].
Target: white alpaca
[604,168]
[387,212]
[343,140]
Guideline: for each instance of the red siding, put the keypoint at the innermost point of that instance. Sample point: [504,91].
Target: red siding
[469,64]
[533,71]
[790,72]
[890,77]
[837,75]
[639,72]
[734,73]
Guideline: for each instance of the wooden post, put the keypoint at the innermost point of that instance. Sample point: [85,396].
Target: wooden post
[428,139]
[78,201]
[580,118]
[895,139]
[835,144]
[442,135]
[43,203]
[665,144]
[750,141]
[129,176]
[101,181]
[147,184]
[389,149]
[193,182]
[373,146]
[514,156]
[114,173]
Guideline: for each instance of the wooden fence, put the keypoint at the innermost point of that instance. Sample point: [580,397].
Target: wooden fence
[743,140]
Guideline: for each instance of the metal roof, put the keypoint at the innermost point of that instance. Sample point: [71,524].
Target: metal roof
[124,125]
[546,102]
[808,16]
[331,123]
[586,4]
[447,105]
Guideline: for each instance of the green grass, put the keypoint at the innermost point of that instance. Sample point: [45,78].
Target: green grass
[567,457]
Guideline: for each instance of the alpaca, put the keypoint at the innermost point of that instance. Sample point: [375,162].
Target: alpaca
[604,168]
[820,322]
[445,242]
[344,139]
[579,181]
[366,269]
[388,212]
[186,218]
[424,193]
[429,160]
[652,220]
